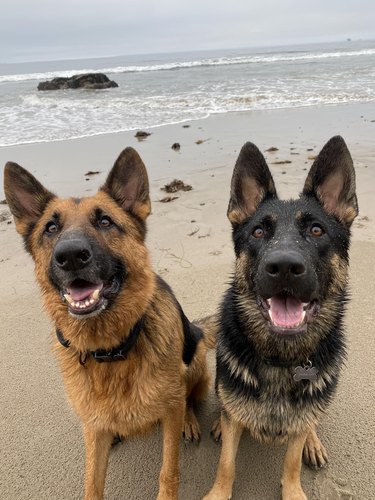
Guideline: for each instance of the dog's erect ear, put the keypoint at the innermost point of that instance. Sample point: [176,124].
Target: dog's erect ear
[251,184]
[127,183]
[332,181]
[26,197]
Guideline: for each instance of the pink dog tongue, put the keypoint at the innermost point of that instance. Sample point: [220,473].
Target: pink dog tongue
[286,311]
[82,292]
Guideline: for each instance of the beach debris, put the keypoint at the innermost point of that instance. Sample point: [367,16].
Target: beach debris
[5,217]
[168,199]
[92,81]
[185,126]
[176,185]
[176,146]
[312,157]
[92,172]
[194,232]
[3,202]
[272,149]
[294,153]
[201,141]
[141,135]
[310,149]
[216,252]
[281,162]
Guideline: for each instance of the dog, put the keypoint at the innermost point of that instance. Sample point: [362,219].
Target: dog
[281,346]
[129,356]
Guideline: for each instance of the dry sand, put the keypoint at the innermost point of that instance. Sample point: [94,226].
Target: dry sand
[42,454]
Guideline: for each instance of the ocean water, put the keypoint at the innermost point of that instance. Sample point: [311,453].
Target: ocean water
[171,88]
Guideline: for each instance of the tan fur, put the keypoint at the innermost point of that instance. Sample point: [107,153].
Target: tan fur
[153,384]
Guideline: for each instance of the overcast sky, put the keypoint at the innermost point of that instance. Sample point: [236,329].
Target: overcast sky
[57,29]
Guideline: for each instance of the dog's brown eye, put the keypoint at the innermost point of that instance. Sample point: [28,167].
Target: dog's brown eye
[105,222]
[317,230]
[258,232]
[51,227]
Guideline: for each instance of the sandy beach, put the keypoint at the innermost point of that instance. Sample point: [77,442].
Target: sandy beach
[42,453]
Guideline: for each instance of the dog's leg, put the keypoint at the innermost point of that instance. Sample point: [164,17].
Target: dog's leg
[314,453]
[216,430]
[169,474]
[291,480]
[191,431]
[230,434]
[98,444]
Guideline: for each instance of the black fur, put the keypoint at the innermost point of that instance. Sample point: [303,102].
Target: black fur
[192,333]
[255,358]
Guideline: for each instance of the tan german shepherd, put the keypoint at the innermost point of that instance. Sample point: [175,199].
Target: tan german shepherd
[128,355]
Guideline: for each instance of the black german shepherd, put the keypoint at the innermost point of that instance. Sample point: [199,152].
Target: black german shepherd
[281,345]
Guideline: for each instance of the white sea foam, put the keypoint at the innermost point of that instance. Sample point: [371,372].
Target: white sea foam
[219,61]
[151,95]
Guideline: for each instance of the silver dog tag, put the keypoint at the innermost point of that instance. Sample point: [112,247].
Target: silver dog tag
[305,372]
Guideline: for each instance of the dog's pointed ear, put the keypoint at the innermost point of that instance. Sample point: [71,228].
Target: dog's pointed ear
[127,183]
[331,181]
[25,195]
[251,184]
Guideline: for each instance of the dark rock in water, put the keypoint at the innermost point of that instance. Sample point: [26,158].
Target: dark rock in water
[84,81]
[176,146]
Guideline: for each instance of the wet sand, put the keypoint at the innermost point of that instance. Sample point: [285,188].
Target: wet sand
[190,243]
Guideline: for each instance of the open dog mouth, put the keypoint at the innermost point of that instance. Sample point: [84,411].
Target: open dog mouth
[288,315]
[86,298]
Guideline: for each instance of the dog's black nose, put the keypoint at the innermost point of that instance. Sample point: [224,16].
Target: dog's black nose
[285,265]
[72,254]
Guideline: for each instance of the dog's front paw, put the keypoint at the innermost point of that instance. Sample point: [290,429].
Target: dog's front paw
[166,496]
[292,492]
[191,431]
[314,453]
[216,495]
[216,430]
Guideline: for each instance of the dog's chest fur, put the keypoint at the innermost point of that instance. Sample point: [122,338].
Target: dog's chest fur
[274,407]
[265,398]
[114,396]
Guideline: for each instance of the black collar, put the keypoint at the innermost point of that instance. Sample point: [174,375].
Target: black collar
[280,363]
[102,355]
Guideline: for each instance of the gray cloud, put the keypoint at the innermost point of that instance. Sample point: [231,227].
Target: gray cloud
[45,29]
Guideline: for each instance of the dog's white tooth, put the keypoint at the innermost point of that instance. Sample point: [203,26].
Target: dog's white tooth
[87,303]
[92,301]
[77,304]
[95,294]
[68,298]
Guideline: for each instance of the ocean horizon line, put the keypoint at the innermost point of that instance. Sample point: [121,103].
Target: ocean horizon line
[179,53]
